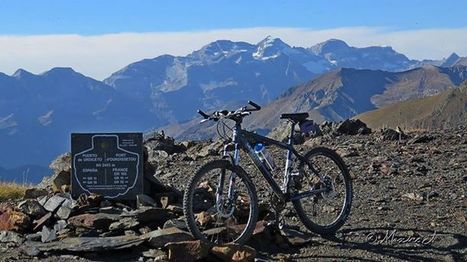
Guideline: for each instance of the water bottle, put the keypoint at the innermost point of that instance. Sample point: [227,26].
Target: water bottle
[264,156]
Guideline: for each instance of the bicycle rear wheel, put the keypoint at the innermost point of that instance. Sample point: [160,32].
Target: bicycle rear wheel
[229,216]
[323,213]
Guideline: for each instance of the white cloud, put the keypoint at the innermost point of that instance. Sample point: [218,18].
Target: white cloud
[100,55]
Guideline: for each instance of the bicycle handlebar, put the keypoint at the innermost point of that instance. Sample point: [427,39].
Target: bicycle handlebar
[256,106]
[203,114]
[241,112]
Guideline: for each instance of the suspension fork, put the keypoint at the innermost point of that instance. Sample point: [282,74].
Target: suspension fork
[236,160]
[231,188]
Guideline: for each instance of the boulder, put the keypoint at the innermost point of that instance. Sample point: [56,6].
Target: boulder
[11,220]
[61,167]
[159,238]
[92,221]
[61,163]
[86,244]
[295,237]
[10,237]
[33,193]
[48,234]
[144,200]
[353,127]
[61,181]
[211,149]
[234,252]
[32,208]
[54,203]
[153,215]
[124,224]
[389,134]
[158,141]
[187,250]
[64,211]
[178,223]
[422,139]
[156,254]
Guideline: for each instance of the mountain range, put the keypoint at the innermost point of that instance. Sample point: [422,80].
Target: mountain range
[38,112]
[341,94]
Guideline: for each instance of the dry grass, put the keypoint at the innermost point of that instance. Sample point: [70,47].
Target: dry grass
[438,111]
[11,191]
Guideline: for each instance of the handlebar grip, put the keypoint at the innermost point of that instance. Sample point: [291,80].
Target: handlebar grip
[203,114]
[254,105]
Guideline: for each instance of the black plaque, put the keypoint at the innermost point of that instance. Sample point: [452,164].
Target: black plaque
[107,164]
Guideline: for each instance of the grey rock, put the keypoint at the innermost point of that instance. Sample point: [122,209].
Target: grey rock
[93,221]
[157,254]
[422,139]
[60,225]
[187,250]
[144,200]
[110,210]
[53,203]
[43,200]
[389,134]
[353,127]
[88,244]
[124,223]
[34,237]
[10,237]
[66,208]
[32,207]
[30,250]
[32,193]
[178,223]
[48,234]
[159,238]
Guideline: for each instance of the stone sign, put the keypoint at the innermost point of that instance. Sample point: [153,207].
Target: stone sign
[107,164]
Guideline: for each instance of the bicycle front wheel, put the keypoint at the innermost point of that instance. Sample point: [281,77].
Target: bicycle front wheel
[323,213]
[220,204]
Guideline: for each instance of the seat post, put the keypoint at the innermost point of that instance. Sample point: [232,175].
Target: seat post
[290,141]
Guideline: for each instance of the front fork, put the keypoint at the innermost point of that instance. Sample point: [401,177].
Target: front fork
[226,210]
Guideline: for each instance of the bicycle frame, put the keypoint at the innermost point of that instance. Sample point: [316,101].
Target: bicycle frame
[242,138]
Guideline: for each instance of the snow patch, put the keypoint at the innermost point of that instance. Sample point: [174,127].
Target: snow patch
[46,119]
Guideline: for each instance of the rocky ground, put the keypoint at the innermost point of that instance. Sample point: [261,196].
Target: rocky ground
[409,204]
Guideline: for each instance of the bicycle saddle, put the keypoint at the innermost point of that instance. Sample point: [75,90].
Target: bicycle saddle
[296,117]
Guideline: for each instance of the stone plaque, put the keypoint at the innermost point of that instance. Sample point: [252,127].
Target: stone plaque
[107,164]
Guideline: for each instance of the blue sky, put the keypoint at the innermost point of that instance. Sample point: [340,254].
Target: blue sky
[99,37]
[113,16]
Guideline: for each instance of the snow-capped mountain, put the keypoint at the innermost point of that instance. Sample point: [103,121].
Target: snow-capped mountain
[226,72]
[38,112]
[338,53]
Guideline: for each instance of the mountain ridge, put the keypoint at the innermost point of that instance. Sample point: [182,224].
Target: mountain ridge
[341,94]
[38,111]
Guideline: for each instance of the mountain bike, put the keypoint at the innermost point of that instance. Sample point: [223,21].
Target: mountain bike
[220,202]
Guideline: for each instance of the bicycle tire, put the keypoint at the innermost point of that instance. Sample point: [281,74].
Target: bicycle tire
[191,187]
[345,212]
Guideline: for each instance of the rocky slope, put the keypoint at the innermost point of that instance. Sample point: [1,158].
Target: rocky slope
[409,204]
[342,94]
[447,109]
